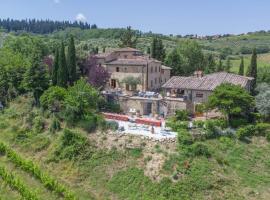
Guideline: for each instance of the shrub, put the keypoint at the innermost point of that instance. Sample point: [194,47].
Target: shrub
[184,137]
[181,115]
[112,125]
[246,131]
[177,125]
[200,108]
[262,129]
[268,136]
[135,152]
[55,125]
[72,145]
[199,124]
[53,98]
[200,149]
[38,124]
[237,122]
[89,123]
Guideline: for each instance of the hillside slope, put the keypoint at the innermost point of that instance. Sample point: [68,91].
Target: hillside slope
[126,167]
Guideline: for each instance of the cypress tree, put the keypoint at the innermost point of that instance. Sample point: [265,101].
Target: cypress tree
[62,72]
[241,67]
[148,50]
[228,64]
[55,67]
[252,70]
[157,49]
[160,51]
[71,61]
[154,47]
[220,66]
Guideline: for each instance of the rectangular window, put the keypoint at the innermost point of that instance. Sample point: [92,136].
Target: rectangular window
[155,80]
[199,95]
[151,69]
[162,71]
[156,69]
[113,83]
[127,87]
[117,69]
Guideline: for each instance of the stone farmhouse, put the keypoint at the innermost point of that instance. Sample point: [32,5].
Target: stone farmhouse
[136,79]
[128,65]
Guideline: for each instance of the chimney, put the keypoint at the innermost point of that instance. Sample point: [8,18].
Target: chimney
[198,73]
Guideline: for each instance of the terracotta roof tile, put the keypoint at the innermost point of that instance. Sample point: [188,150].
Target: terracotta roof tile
[208,82]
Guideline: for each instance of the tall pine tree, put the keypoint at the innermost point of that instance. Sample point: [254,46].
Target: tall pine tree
[71,61]
[55,67]
[62,72]
[252,70]
[241,67]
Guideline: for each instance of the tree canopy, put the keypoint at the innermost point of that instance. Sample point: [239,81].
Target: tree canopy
[128,38]
[231,100]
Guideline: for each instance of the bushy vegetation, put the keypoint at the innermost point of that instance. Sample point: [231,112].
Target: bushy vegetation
[72,145]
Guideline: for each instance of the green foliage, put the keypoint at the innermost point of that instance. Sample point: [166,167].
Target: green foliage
[55,67]
[53,99]
[176,125]
[36,78]
[128,38]
[157,49]
[262,129]
[252,70]
[199,124]
[135,152]
[28,166]
[237,122]
[188,56]
[232,101]
[263,75]
[55,125]
[112,125]
[181,115]
[88,123]
[132,81]
[200,149]
[62,72]
[184,137]
[17,184]
[245,132]
[262,100]
[241,67]
[38,124]
[81,100]
[176,62]
[72,146]
[268,136]
[71,61]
